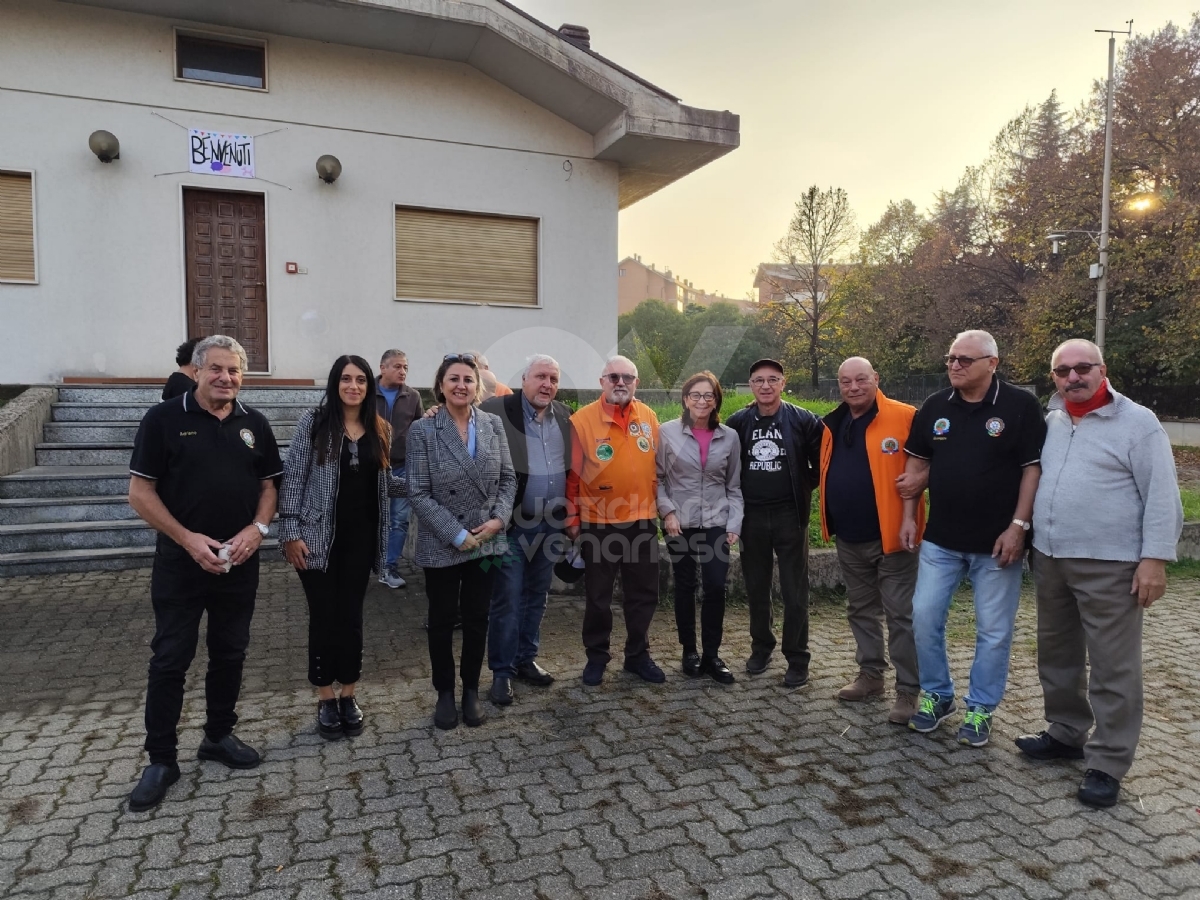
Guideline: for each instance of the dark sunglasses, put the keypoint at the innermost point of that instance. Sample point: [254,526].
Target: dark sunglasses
[1078,369]
[467,358]
[618,377]
[354,456]
[965,361]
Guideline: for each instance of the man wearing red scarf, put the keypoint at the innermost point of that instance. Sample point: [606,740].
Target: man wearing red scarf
[1106,519]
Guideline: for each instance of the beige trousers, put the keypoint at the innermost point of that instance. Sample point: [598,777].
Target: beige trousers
[880,585]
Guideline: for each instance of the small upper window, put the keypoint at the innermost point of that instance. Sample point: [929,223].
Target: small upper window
[221,62]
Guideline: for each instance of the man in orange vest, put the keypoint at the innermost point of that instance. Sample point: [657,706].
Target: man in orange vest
[863,487]
[611,492]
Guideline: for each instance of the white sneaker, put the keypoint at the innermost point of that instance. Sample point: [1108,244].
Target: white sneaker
[392,579]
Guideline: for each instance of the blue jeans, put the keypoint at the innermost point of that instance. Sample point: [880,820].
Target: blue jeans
[997,594]
[519,596]
[398,525]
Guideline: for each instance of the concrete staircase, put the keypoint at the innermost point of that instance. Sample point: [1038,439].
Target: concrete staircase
[69,513]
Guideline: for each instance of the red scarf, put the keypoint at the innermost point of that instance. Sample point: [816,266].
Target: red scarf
[1079,410]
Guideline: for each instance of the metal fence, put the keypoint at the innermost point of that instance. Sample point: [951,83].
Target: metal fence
[1169,401]
[909,389]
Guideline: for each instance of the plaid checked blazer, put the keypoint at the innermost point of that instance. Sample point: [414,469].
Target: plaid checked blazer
[308,497]
[450,491]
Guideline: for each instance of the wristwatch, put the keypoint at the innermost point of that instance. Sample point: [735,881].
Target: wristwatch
[264,530]
[1025,526]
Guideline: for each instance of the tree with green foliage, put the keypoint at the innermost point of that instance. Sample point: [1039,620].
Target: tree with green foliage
[668,346]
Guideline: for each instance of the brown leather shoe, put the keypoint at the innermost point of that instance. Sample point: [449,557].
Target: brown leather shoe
[903,709]
[861,688]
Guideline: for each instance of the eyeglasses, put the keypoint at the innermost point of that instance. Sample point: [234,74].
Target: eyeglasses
[697,397]
[772,380]
[619,377]
[353,456]
[964,361]
[1079,369]
[467,358]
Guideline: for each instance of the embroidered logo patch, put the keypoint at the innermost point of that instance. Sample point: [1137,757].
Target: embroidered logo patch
[994,426]
[643,445]
[633,428]
[941,426]
[645,426]
[248,437]
[604,452]
[890,445]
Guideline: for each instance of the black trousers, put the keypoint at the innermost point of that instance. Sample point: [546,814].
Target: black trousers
[181,593]
[632,552]
[462,590]
[708,550]
[777,531]
[335,612]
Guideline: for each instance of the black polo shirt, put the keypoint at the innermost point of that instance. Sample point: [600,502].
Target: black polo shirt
[208,471]
[977,453]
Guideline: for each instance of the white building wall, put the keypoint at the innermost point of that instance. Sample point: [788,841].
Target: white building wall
[111,301]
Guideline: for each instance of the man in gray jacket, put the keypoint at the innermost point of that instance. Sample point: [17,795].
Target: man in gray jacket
[1106,462]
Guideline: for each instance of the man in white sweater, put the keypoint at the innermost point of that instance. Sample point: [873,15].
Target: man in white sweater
[1106,519]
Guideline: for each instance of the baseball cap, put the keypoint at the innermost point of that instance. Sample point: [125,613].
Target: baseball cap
[773,363]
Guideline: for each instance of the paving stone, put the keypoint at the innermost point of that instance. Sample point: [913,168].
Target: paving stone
[629,791]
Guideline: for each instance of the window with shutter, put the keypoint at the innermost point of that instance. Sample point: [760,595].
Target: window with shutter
[476,258]
[16,227]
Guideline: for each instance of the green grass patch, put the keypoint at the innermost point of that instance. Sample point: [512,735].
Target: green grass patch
[1191,504]
[733,402]
[1184,568]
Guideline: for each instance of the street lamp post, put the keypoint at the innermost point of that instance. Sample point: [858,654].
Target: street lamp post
[1102,281]
[1100,272]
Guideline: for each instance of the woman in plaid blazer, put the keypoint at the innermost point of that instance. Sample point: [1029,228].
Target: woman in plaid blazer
[461,485]
[333,526]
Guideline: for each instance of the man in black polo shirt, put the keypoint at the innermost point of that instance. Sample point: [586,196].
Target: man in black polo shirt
[781,456]
[980,443]
[203,476]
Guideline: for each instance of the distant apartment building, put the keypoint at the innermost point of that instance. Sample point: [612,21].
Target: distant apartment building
[779,282]
[638,281]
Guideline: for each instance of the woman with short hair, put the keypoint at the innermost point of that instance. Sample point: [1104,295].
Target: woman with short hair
[700,501]
[461,485]
[333,527]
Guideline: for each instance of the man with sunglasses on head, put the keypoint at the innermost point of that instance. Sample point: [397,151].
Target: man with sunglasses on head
[980,444]
[781,459]
[1107,462]
[611,507]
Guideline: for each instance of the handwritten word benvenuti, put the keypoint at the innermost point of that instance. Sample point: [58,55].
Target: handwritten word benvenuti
[218,153]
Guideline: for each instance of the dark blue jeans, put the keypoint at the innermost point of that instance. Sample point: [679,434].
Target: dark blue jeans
[181,593]
[519,595]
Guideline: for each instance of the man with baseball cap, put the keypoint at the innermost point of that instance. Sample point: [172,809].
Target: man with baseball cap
[781,459]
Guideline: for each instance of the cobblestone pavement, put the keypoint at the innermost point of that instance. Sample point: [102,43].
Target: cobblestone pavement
[629,790]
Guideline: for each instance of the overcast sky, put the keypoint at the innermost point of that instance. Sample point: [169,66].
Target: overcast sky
[887,100]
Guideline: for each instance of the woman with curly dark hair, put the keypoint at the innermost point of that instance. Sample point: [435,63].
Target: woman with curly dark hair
[333,526]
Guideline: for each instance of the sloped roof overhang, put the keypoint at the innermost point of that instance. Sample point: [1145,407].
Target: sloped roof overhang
[653,137]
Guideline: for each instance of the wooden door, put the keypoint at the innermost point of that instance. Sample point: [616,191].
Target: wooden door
[226,255]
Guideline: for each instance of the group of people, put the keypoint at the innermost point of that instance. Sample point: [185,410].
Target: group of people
[507,490]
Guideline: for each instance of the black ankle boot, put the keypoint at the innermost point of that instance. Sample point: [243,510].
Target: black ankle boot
[352,716]
[473,714]
[445,716]
[329,719]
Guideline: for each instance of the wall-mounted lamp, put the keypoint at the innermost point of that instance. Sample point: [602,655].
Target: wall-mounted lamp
[105,145]
[329,168]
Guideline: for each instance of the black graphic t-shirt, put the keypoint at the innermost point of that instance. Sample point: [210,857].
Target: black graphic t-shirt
[766,472]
